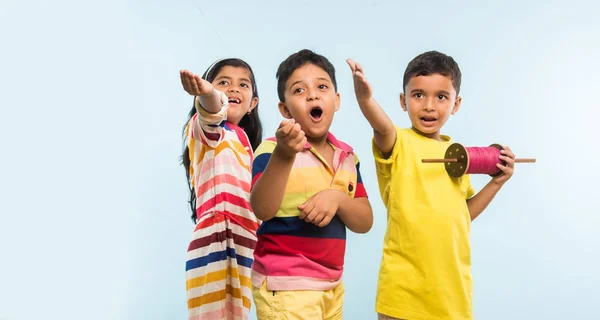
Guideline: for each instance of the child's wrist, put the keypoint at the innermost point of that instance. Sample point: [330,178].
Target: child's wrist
[280,153]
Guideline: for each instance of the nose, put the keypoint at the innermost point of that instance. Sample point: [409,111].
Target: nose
[233,88]
[428,105]
[311,95]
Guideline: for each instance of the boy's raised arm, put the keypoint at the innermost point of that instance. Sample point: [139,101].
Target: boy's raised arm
[384,131]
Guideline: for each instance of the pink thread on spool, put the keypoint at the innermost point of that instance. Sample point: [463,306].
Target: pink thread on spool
[483,160]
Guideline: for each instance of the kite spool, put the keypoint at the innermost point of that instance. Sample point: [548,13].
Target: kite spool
[460,160]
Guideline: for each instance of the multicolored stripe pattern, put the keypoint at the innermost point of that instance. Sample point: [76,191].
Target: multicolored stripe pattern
[292,254]
[220,254]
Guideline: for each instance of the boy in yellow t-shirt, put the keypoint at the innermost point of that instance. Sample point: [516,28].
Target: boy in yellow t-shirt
[425,270]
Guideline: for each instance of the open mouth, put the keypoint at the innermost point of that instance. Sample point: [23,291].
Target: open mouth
[234,100]
[316,113]
[428,119]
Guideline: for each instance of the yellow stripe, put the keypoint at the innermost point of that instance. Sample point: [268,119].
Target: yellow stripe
[222,146]
[192,147]
[266,146]
[218,276]
[219,296]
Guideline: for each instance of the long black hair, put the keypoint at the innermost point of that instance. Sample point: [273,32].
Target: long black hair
[249,122]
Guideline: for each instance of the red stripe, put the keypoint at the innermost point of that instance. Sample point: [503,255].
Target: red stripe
[219,237]
[221,179]
[214,136]
[360,191]
[243,222]
[209,204]
[326,252]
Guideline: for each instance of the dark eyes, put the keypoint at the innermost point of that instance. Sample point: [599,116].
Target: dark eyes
[320,87]
[225,82]
[440,97]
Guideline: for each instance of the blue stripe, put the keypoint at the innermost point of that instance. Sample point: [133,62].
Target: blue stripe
[293,226]
[358,176]
[260,163]
[218,256]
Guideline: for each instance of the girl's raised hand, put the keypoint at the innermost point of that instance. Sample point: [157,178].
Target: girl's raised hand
[194,85]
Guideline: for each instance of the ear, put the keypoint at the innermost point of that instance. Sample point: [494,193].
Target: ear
[285,112]
[456,105]
[403,101]
[253,104]
[337,102]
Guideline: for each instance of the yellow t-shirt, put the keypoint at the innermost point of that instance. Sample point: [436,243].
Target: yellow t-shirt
[425,270]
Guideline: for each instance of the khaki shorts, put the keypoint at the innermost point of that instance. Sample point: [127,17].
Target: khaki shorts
[300,305]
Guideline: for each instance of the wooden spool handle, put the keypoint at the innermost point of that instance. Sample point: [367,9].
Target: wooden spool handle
[517,160]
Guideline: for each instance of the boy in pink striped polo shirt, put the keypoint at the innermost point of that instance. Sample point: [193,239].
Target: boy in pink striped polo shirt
[307,188]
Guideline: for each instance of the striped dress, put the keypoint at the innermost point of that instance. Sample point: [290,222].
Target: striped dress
[220,254]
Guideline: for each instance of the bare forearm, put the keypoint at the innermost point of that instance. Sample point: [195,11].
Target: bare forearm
[383,127]
[267,193]
[482,199]
[211,102]
[356,213]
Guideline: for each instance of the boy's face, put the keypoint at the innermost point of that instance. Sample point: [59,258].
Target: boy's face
[311,99]
[429,101]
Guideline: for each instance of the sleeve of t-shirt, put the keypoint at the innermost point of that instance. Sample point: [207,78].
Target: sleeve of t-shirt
[206,126]
[361,191]
[262,154]
[384,166]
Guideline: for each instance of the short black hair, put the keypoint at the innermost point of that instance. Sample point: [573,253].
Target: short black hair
[433,62]
[298,60]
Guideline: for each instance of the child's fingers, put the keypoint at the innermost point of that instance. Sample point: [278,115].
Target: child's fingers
[193,84]
[510,162]
[285,122]
[359,68]
[307,208]
[299,141]
[310,217]
[506,151]
[325,221]
[319,218]
[505,169]
[351,64]
[185,80]
[286,127]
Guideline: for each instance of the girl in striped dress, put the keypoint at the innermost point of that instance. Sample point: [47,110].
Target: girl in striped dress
[222,131]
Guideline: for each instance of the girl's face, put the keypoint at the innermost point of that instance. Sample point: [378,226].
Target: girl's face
[236,83]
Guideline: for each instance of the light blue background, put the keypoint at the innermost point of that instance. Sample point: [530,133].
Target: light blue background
[94,220]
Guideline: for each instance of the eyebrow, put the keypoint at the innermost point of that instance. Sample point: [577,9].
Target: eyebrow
[229,78]
[420,91]
[319,78]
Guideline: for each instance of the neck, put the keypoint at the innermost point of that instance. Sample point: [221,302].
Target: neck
[317,143]
[433,135]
